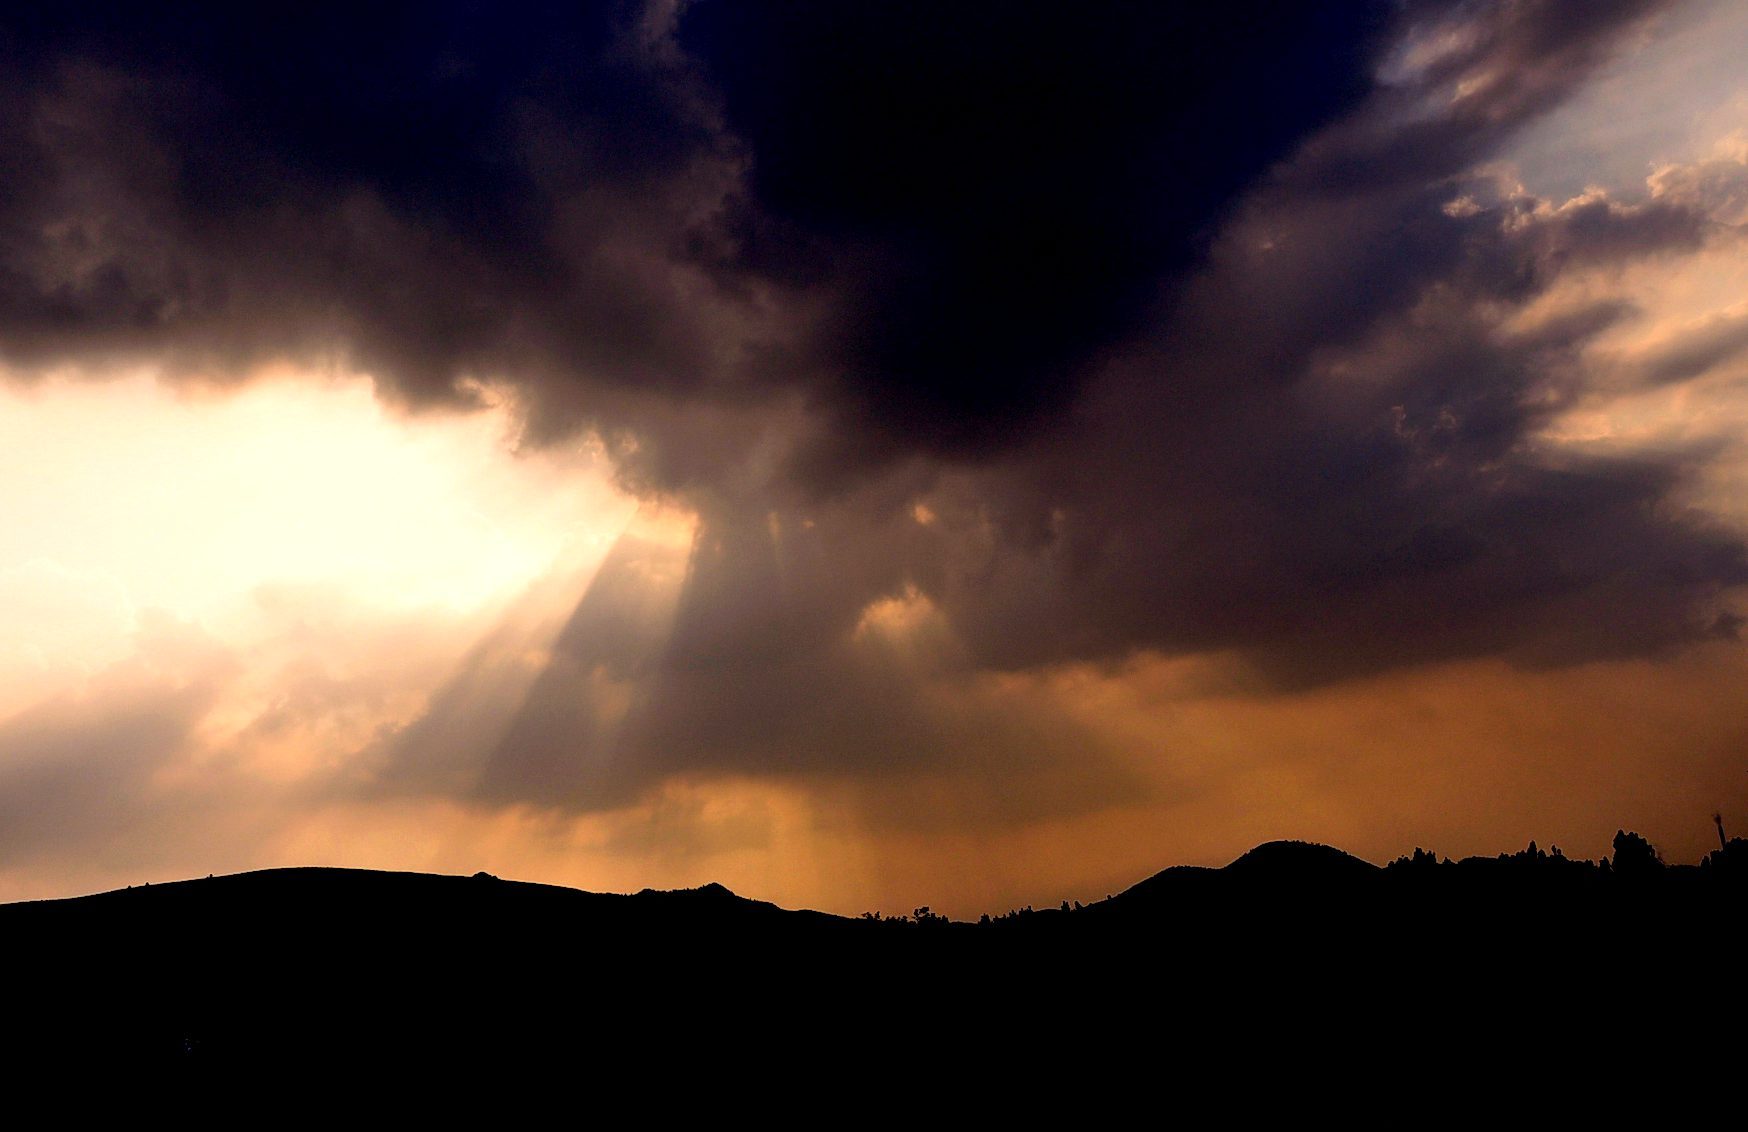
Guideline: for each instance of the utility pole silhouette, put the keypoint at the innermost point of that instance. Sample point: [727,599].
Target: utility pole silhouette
[1718,818]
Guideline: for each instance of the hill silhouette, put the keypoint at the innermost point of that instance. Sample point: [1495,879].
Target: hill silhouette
[332,967]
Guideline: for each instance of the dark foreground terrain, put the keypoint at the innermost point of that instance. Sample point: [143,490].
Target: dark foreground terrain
[1314,973]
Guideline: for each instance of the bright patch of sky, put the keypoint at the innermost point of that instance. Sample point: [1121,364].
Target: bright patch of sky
[1670,96]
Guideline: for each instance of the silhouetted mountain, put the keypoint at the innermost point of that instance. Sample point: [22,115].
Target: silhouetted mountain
[1281,868]
[311,967]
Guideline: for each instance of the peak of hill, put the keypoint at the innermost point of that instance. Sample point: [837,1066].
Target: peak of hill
[1301,860]
[1274,869]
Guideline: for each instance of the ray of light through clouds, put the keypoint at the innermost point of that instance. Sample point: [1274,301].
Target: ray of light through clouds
[268,577]
[654,445]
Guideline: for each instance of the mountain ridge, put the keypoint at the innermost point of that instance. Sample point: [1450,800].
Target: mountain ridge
[1275,862]
[410,971]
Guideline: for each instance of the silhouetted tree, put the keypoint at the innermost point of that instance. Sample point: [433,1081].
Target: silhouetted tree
[1420,860]
[1634,856]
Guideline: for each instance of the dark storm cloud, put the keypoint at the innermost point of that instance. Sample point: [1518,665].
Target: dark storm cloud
[1322,453]
[429,193]
[991,192]
[1192,328]
[932,216]
[1325,457]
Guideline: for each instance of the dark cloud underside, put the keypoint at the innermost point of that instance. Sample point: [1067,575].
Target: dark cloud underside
[954,208]
[993,192]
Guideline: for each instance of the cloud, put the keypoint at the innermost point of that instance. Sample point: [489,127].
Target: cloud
[742,651]
[981,219]
[428,197]
[1700,348]
[1331,452]
[1716,186]
[1189,330]
[83,769]
[609,208]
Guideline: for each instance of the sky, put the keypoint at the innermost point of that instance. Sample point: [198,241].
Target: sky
[868,456]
